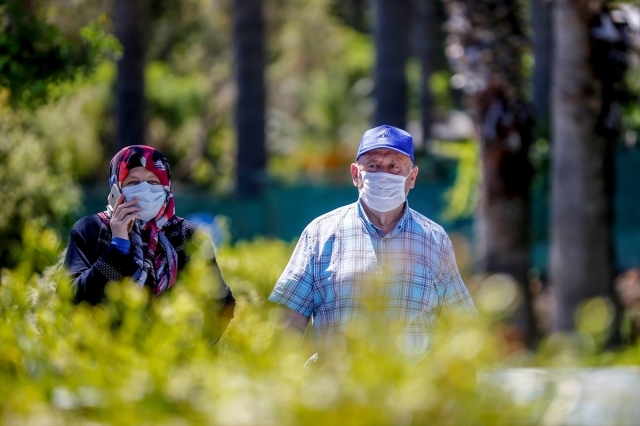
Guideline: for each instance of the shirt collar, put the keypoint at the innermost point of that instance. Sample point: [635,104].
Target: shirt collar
[374,230]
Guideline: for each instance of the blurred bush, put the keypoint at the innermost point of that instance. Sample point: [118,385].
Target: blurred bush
[35,54]
[134,360]
[44,152]
[37,191]
[51,119]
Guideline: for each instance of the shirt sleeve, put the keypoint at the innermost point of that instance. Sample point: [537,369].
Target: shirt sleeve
[455,300]
[294,288]
[122,244]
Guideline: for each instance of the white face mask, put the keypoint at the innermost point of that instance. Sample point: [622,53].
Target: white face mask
[151,198]
[383,192]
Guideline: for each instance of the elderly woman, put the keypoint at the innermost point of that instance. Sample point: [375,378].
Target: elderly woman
[138,236]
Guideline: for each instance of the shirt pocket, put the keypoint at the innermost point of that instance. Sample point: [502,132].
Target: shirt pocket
[422,288]
[344,276]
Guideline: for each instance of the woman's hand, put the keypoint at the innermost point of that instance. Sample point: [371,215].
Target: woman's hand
[123,216]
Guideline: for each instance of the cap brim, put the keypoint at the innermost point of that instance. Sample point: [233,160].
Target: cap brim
[382,147]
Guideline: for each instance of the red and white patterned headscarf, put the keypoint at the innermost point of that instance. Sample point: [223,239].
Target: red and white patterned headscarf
[152,251]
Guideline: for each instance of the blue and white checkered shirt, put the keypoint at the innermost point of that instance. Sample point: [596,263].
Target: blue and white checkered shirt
[342,266]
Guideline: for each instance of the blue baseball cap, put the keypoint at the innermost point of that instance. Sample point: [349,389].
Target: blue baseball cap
[386,136]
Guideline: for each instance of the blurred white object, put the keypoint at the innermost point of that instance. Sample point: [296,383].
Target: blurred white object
[577,397]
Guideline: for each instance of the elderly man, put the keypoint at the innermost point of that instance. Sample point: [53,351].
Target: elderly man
[375,262]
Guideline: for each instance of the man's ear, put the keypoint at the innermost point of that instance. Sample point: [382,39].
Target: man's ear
[414,173]
[355,174]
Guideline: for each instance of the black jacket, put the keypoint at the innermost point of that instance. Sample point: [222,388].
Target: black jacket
[92,262]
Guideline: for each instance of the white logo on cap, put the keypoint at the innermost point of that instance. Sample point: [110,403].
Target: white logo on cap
[382,135]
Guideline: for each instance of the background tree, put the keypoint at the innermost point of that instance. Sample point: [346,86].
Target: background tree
[354,13]
[129,19]
[392,41]
[248,40]
[542,51]
[427,45]
[485,45]
[589,65]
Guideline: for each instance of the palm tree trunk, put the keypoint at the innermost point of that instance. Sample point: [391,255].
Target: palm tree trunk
[427,39]
[129,19]
[542,51]
[581,264]
[485,46]
[502,219]
[392,40]
[248,39]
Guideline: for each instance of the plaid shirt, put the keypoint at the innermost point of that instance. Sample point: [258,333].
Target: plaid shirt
[342,267]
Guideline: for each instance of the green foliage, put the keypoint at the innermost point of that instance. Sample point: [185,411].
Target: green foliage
[37,190]
[255,266]
[46,147]
[462,197]
[319,98]
[173,98]
[189,88]
[44,152]
[440,89]
[35,55]
[134,360]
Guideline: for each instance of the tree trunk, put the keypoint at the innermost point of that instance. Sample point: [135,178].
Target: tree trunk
[502,219]
[129,18]
[581,263]
[542,52]
[427,39]
[392,40]
[485,45]
[248,39]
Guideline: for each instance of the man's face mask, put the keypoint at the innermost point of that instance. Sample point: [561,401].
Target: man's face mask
[151,198]
[383,192]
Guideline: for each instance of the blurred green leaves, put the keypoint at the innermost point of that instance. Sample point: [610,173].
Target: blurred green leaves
[498,295]
[50,128]
[320,93]
[462,197]
[174,98]
[134,359]
[44,153]
[37,193]
[34,54]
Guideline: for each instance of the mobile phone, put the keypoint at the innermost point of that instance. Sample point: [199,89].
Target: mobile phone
[113,196]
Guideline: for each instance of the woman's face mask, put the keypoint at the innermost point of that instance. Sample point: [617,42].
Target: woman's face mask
[151,198]
[383,192]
